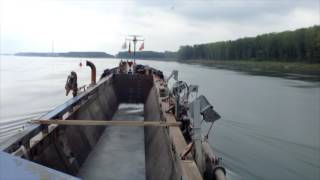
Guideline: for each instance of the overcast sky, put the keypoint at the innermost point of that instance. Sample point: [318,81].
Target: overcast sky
[101,25]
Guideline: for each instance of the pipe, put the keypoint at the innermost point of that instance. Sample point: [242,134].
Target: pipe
[93,72]
[219,173]
[209,154]
[212,168]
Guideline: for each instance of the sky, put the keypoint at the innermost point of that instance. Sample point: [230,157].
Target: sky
[102,25]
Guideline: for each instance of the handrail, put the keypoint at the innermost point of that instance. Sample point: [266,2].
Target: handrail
[106,123]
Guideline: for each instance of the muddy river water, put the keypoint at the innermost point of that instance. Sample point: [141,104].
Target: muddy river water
[270,125]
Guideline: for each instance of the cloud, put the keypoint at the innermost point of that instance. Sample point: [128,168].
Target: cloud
[239,10]
[102,25]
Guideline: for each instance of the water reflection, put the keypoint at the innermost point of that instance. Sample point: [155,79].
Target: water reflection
[259,72]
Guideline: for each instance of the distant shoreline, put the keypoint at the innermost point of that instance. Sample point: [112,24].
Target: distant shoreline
[261,66]
[66,54]
[83,56]
[283,67]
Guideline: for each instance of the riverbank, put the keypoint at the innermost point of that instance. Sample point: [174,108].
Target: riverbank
[262,66]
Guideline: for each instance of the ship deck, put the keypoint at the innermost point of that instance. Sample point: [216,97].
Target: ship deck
[119,153]
[114,152]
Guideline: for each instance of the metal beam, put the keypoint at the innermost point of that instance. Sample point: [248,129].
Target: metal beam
[106,123]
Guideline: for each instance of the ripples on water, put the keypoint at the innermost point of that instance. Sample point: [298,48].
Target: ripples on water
[270,126]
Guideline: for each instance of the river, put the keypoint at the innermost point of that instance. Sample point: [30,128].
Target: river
[270,125]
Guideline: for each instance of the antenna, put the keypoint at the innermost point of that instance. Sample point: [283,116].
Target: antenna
[134,39]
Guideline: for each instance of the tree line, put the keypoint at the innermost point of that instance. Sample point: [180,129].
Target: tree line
[299,45]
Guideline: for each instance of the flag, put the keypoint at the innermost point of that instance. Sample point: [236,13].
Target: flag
[124,46]
[141,47]
[129,48]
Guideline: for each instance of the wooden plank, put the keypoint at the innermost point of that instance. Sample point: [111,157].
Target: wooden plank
[106,123]
[190,169]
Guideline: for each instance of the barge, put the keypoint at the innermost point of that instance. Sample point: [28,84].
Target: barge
[60,144]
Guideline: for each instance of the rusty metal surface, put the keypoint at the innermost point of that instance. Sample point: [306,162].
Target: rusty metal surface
[23,138]
[188,166]
[161,161]
[65,148]
[132,88]
[93,72]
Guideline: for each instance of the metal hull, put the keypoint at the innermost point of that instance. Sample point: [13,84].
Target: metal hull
[66,148]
